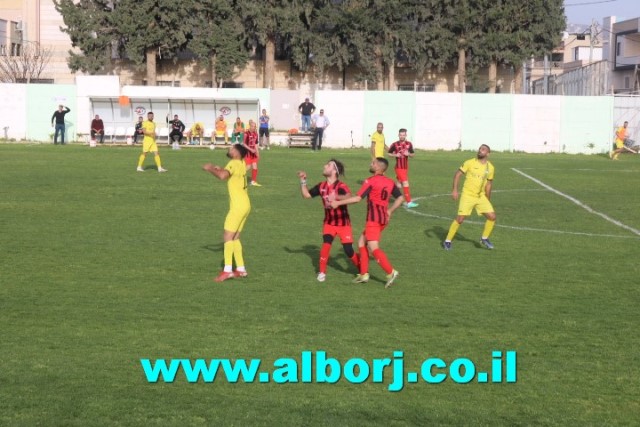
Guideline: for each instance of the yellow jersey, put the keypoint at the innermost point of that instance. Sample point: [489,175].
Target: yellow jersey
[237,185]
[377,139]
[149,127]
[476,176]
[195,131]
[621,134]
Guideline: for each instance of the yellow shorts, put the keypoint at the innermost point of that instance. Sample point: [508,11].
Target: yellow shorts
[481,204]
[149,147]
[235,219]
[619,143]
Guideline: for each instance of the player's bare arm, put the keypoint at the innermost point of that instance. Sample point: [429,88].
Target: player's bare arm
[396,204]
[351,200]
[456,181]
[217,171]
[487,189]
[304,190]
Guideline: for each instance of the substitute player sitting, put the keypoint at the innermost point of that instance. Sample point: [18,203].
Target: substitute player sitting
[476,193]
[377,189]
[336,221]
[235,173]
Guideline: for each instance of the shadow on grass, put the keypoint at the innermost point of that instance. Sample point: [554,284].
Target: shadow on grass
[313,252]
[441,234]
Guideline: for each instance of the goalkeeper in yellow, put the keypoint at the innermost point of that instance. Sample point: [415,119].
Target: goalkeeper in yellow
[476,193]
[235,173]
[149,144]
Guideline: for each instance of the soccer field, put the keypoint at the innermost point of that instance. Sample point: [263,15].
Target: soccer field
[103,266]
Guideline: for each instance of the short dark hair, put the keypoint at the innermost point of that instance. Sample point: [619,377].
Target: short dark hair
[384,161]
[149,112]
[402,130]
[485,145]
[241,149]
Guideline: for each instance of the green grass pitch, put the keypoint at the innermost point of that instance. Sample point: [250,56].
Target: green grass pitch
[103,266]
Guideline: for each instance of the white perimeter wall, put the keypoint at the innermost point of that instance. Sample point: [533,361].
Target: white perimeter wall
[13,111]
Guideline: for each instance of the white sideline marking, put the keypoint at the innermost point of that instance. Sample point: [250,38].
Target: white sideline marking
[511,227]
[582,170]
[579,203]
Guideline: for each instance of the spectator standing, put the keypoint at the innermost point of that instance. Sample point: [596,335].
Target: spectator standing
[306,109]
[57,120]
[321,122]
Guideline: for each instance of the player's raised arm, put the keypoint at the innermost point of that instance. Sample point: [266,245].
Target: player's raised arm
[304,190]
[217,171]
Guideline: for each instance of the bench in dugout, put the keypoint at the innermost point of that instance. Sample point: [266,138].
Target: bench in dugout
[302,139]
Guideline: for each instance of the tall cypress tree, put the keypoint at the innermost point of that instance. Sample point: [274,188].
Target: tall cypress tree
[217,38]
[88,25]
[268,21]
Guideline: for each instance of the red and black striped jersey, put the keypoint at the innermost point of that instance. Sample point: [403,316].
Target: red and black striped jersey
[378,189]
[251,141]
[340,215]
[404,148]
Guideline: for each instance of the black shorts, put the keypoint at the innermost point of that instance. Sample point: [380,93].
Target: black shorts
[264,132]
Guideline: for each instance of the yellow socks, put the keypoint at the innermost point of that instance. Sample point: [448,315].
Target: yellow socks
[488,228]
[453,229]
[228,254]
[237,254]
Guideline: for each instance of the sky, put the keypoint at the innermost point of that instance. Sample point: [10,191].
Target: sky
[582,11]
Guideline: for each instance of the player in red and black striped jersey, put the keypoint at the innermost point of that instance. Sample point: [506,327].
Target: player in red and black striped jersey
[253,155]
[402,150]
[378,189]
[336,220]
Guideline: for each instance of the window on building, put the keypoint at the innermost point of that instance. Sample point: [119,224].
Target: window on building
[16,49]
[169,83]
[557,57]
[3,50]
[232,85]
[227,85]
[417,88]
[618,48]
[627,82]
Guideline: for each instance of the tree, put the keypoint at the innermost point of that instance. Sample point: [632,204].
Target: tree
[266,21]
[89,28]
[217,38]
[513,32]
[141,30]
[151,29]
[429,41]
[26,65]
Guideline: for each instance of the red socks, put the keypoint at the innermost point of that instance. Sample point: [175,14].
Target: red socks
[381,258]
[254,174]
[324,256]
[407,194]
[364,260]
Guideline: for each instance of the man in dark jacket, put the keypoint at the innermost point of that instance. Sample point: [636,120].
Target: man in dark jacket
[58,120]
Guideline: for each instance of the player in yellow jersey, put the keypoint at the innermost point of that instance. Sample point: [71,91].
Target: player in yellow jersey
[621,135]
[149,143]
[378,145]
[235,173]
[476,193]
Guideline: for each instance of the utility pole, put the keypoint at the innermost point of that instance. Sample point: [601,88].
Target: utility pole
[592,37]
